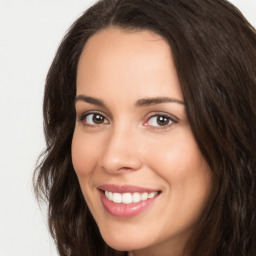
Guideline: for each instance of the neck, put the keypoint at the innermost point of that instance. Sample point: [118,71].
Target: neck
[174,248]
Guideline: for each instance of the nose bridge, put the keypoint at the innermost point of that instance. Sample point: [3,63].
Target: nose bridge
[121,151]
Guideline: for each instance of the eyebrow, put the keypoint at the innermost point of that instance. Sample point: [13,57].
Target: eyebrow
[90,100]
[157,100]
[139,103]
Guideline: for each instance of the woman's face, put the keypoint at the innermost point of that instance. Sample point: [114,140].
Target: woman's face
[138,164]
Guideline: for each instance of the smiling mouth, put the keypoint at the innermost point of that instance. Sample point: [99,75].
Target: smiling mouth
[129,198]
[126,205]
[126,201]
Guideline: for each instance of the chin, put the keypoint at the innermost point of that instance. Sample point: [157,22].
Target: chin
[123,243]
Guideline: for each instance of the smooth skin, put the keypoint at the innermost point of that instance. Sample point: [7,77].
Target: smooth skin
[134,130]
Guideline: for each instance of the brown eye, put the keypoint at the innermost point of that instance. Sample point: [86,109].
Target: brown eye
[98,119]
[94,119]
[160,121]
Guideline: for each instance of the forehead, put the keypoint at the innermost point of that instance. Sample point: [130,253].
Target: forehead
[136,60]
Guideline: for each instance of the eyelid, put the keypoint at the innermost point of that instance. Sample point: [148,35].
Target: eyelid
[81,116]
[164,114]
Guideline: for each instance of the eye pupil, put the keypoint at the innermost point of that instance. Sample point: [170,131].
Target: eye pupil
[161,120]
[98,119]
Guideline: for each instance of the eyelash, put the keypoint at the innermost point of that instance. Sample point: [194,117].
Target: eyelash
[167,117]
[83,117]
[171,120]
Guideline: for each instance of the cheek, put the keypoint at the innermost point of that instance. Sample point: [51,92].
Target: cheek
[84,157]
[181,165]
[187,178]
[179,156]
[84,154]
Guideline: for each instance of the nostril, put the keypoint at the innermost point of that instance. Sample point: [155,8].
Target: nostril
[120,164]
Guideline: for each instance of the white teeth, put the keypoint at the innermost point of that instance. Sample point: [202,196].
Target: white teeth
[144,196]
[117,198]
[110,195]
[136,197]
[128,198]
[152,194]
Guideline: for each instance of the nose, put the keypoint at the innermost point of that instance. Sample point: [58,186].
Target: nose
[121,152]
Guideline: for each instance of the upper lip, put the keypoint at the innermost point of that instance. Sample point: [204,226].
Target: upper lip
[125,188]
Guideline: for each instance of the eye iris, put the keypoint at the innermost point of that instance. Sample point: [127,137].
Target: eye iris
[161,120]
[98,119]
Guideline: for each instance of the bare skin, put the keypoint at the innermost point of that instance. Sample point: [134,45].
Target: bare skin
[132,130]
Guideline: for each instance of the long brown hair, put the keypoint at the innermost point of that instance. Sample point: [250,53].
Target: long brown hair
[214,50]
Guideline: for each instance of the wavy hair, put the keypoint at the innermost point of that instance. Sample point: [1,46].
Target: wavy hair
[214,50]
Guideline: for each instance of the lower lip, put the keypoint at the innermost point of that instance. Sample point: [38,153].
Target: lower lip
[125,210]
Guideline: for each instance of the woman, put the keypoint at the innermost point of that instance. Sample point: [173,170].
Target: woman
[150,119]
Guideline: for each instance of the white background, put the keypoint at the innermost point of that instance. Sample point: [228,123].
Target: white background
[30,32]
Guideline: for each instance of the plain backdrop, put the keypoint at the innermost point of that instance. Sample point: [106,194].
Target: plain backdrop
[30,32]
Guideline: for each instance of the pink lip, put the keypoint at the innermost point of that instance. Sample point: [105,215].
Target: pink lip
[125,188]
[124,210]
